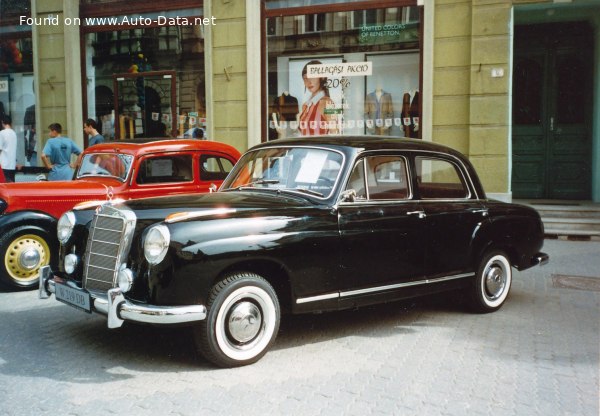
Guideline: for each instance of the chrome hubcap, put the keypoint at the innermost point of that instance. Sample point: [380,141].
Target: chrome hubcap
[29,258]
[495,281]
[244,322]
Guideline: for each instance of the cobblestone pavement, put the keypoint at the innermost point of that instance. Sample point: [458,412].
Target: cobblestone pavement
[537,356]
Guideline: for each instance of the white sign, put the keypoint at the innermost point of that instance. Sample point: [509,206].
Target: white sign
[4,86]
[345,69]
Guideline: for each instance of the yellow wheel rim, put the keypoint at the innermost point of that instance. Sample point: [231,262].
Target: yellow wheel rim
[24,257]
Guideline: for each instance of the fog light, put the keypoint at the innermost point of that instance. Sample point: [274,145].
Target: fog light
[125,280]
[70,263]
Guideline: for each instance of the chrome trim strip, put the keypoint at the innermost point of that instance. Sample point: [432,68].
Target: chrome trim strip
[407,284]
[318,298]
[382,288]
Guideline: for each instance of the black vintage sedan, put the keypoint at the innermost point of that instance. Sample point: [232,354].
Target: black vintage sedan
[298,226]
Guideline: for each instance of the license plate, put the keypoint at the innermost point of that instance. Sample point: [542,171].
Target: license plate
[74,297]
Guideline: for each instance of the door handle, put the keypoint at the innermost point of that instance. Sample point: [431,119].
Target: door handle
[483,211]
[552,123]
[420,214]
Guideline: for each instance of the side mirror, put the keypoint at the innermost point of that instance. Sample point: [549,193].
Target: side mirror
[212,188]
[349,195]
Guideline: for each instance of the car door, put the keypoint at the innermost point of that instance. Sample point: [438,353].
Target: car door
[163,174]
[380,229]
[452,214]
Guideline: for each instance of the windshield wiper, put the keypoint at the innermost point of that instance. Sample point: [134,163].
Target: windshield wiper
[304,191]
[258,182]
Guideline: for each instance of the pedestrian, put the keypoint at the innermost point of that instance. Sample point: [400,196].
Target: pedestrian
[8,149]
[56,155]
[91,127]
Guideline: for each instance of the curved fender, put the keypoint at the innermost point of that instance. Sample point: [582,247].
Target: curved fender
[513,234]
[34,219]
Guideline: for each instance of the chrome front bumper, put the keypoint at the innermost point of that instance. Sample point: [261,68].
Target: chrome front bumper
[118,309]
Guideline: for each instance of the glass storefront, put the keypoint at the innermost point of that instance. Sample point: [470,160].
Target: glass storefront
[343,71]
[145,80]
[17,93]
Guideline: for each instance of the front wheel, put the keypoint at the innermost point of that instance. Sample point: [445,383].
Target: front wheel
[242,321]
[492,283]
[23,253]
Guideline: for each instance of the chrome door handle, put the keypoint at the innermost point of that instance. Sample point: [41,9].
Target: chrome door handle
[420,214]
[483,211]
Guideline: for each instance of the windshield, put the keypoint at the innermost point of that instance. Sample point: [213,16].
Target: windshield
[105,164]
[301,169]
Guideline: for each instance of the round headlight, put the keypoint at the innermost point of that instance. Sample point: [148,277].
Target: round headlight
[65,226]
[156,243]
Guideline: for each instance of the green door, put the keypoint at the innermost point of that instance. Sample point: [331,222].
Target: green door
[552,111]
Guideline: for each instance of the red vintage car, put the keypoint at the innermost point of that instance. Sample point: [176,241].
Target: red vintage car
[29,211]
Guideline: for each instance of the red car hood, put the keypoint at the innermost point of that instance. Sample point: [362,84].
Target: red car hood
[54,197]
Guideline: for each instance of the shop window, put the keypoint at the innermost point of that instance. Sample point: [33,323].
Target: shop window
[344,72]
[149,70]
[17,93]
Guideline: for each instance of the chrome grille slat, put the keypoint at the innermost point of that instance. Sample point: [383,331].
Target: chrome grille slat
[108,240]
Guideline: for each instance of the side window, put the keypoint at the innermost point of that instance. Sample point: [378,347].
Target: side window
[387,177]
[380,178]
[214,168]
[439,179]
[166,169]
[357,180]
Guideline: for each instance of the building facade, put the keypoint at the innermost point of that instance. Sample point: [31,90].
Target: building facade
[512,84]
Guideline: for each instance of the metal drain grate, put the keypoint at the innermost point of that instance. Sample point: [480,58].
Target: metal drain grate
[561,281]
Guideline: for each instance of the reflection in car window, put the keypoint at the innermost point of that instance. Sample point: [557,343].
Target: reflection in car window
[166,169]
[386,178]
[214,168]
[105,164]
[302,169]
[439,179]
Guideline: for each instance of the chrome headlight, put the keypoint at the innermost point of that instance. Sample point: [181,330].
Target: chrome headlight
[65,226]
[156,243]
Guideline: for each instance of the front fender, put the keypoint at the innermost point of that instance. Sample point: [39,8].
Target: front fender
[33,219]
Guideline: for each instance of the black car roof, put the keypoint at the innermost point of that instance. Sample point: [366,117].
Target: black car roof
[364,143]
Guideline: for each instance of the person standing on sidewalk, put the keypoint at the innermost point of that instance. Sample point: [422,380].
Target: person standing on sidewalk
[56,155]
[8,149]
[91,128]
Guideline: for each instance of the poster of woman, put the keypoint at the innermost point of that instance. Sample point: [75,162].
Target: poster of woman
[319,102]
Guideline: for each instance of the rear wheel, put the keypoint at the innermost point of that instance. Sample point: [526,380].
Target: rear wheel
[23,253]
[242,321]
[492,283]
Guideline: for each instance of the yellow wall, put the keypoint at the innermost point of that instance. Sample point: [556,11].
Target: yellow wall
[50,70]
[471,107]
[228,63]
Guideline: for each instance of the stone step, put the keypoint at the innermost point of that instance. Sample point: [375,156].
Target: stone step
[590,212]
[574,226]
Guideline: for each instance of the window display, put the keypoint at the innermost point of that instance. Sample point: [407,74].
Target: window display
[146,82]
[347,72]
[17,93]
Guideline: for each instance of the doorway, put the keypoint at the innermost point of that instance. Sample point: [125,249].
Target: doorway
[552,111]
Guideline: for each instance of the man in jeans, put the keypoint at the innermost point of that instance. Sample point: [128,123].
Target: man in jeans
[57,154]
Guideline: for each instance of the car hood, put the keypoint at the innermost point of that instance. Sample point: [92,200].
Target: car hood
[56,188]
[218,203]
